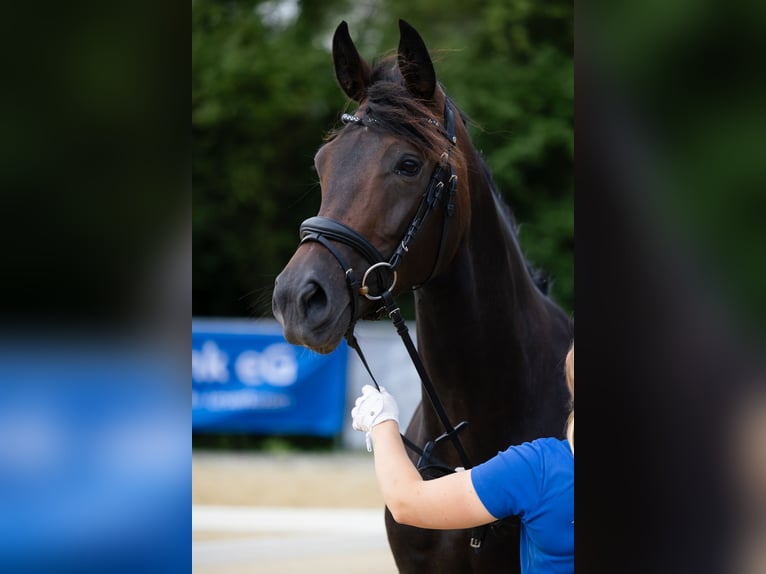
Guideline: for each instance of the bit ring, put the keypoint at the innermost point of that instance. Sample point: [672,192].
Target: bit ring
[365,290]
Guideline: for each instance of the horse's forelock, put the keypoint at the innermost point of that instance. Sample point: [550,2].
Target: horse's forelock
[391,107]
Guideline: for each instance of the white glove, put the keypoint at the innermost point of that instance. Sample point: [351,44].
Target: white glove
[371,408]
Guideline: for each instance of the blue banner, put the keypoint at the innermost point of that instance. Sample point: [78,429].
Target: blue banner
[247,378]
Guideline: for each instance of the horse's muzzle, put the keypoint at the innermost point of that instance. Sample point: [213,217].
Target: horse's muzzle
[313,310]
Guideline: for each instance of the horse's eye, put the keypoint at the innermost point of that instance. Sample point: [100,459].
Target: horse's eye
[408,166]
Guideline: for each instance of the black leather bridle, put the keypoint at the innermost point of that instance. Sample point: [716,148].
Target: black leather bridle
[327,231]
[323,229]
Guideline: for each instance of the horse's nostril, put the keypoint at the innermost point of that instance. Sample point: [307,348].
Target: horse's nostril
[314,298]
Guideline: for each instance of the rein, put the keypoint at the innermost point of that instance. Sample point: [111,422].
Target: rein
[324,230]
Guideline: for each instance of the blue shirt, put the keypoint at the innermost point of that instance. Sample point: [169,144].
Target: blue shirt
[535,481]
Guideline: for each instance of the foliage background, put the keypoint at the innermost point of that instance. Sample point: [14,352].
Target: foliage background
[264,94]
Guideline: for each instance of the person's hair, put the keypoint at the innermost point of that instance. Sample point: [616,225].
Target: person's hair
[569,372]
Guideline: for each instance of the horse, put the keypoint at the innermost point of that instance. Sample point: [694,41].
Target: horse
[409,204]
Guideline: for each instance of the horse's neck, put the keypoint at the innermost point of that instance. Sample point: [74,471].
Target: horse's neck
[483,323]
[492,343]
[487,284]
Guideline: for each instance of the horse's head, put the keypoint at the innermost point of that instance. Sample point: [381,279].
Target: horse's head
[387,179]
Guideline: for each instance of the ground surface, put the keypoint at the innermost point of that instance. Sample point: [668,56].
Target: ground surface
[318,513]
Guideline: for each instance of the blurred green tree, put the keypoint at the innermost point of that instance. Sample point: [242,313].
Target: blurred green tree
[264,94]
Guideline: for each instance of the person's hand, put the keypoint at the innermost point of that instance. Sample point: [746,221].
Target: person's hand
[371,408]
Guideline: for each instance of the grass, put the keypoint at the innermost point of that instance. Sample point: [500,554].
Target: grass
[264,443]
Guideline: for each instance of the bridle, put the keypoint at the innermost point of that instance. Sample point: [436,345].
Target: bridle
[324,229]
[442,187]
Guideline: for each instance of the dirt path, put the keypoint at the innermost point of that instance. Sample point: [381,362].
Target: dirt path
[231,484]
[341,480]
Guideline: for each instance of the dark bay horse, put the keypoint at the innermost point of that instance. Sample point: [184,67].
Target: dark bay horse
[402,183]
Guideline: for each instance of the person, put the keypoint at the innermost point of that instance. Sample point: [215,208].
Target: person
[534,480]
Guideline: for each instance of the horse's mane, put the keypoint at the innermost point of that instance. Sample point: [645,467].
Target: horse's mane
[391,107]
[539,276]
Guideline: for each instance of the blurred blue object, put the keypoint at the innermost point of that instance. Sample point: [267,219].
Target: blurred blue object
[95,461]
[247,378]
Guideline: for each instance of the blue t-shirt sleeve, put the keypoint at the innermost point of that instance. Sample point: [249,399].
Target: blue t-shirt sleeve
[510,482]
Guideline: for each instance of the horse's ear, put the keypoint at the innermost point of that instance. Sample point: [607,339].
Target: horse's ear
[415,63]
[352,72]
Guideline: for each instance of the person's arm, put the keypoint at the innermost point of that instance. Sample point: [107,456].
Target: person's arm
[442,503]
